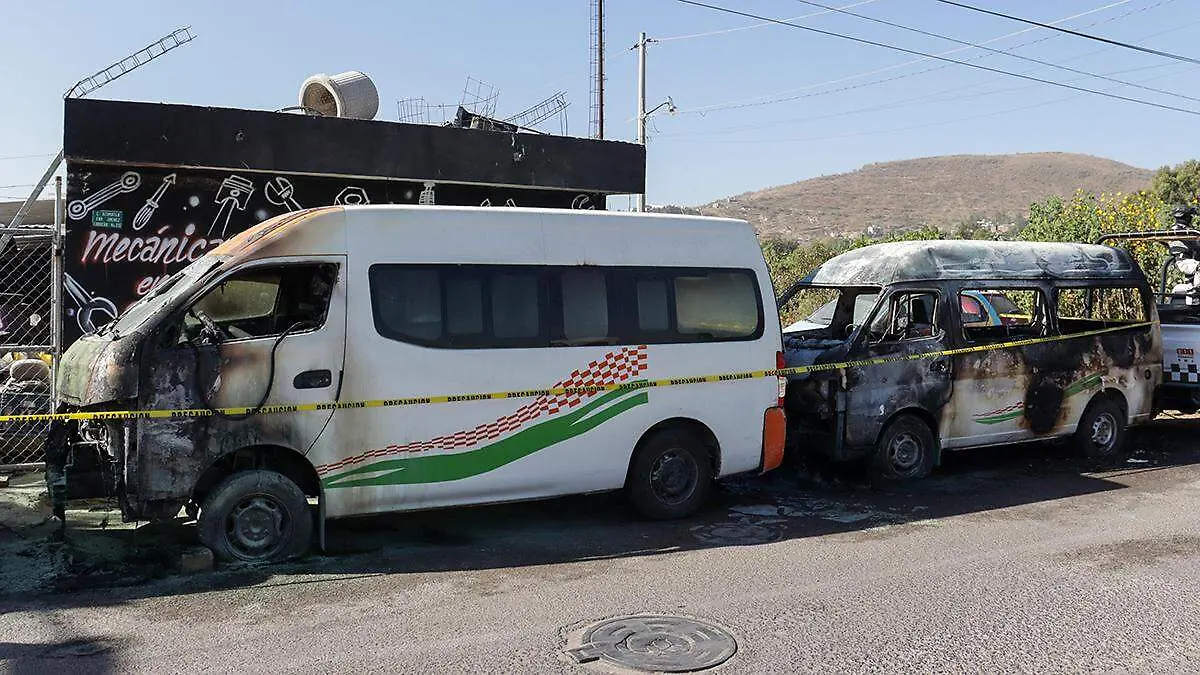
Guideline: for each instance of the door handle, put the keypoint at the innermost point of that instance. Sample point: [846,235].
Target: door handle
[313,379]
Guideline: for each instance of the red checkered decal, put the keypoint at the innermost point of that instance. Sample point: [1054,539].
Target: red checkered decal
[1012,408]
[614,368]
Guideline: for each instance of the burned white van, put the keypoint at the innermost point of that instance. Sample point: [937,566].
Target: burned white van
[347,311]
[941,315]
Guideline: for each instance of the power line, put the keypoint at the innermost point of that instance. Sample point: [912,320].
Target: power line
[875,132]
[724,31]
[1087,36]
[989,69]
[47,154]
[931,97]
[755,100]
[998,51]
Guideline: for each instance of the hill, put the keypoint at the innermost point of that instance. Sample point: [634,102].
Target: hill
[945,192]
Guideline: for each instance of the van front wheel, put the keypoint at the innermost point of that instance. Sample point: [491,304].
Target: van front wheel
[671,476]
[256,516]
[905,451]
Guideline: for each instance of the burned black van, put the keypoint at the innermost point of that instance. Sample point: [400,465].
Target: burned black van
[941,319]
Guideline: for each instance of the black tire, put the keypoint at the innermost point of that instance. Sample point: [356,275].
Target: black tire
[671,475]
[906,450]
[1101,431]
[256,516]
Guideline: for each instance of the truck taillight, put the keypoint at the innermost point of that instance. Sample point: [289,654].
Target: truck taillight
[780,364]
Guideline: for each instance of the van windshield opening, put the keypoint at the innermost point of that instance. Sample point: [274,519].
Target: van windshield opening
[834,311]
[162,296]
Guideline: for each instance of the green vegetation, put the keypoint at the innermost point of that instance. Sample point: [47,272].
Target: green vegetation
[1083,217]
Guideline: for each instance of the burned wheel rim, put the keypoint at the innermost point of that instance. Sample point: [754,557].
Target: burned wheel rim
[674,476]
[1104,432]
[905,453]
[256,527]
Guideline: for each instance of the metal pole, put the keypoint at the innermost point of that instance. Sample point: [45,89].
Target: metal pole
[641,107]
[28,203]
[56,291]
[600,70]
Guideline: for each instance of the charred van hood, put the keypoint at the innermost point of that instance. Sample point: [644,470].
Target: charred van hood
[800,349]
[98,369]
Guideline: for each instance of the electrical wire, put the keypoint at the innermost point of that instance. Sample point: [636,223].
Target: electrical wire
[893,130]
[998,51]
[968,64]
[48,154]
[729,129]
[757,100]
[925,97]
[760,25]
[929,97]
[1098,38]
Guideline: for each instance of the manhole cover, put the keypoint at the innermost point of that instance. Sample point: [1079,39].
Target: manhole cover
[664,644]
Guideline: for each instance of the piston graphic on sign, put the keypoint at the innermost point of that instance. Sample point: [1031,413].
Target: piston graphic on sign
[234,193]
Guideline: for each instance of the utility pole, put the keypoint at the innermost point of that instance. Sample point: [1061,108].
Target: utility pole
[600,69]
[596,122]
[641,107]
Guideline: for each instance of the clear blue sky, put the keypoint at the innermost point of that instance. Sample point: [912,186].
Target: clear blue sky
[255,55]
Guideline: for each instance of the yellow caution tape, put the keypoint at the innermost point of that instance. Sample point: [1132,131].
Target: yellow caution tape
[533,393]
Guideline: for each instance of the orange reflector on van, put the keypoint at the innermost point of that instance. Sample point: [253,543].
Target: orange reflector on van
[774,434]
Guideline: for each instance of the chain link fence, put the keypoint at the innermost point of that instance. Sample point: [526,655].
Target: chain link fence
[30,315]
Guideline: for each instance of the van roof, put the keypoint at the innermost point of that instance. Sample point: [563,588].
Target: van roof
[581,213]
[896,262]
[463,235]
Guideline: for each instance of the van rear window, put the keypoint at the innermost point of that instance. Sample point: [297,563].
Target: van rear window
[497,306]
[1084,309]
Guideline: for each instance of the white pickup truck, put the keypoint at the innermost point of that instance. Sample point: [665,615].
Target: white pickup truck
[1178,309]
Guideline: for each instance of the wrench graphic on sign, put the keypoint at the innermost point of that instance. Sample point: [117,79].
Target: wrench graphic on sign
[92,311]
[128,182]
[279,191]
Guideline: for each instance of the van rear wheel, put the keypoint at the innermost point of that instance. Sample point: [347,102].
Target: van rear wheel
[905,451]
[256,516]
[670,477]
[1101,430]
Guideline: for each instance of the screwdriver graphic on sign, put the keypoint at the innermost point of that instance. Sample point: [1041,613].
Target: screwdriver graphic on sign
[144,214]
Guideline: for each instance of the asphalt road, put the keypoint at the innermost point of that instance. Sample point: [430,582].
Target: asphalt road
[1011,559]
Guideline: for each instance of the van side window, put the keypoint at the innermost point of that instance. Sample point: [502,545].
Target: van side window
[1084,309]
[410,303]
[999,314]
[716,304]
[516,305]
[584,306]
[653,300]
[496,306]
[909,316]
[264,302]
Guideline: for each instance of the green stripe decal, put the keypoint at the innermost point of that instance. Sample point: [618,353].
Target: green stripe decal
[1079,386]
[996,419]
[1090,382]
[457,466]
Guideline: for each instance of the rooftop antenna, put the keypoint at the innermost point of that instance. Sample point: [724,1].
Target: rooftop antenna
[596,48]
[542,111]
[479,97]
[89,84]
[412,111]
